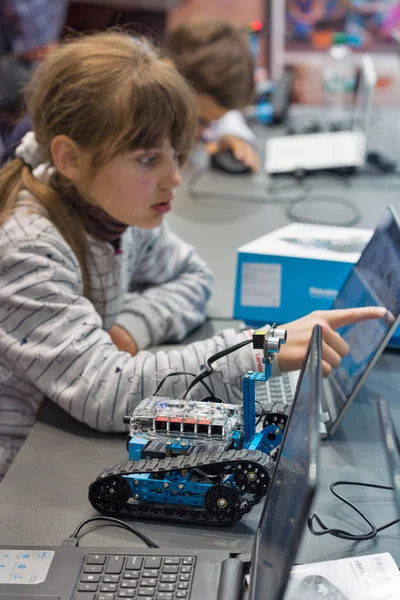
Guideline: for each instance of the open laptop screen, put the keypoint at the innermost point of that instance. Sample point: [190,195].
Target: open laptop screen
[292,486]
[374,281]
[365,95]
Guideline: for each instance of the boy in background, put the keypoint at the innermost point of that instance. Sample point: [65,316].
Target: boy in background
[215,57]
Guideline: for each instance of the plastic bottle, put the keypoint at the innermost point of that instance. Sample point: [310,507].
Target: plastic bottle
[339,81]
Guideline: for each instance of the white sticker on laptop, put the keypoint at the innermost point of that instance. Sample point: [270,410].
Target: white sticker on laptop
[261,284]
[27,567]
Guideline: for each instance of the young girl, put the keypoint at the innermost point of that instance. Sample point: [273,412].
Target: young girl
[82,223]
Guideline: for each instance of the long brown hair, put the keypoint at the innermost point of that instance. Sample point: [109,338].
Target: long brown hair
[109,93]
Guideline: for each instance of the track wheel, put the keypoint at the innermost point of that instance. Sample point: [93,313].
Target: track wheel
[222,501]
[109,494]
[251,479]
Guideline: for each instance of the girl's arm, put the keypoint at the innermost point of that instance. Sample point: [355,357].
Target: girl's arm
[169,291]
[53,338]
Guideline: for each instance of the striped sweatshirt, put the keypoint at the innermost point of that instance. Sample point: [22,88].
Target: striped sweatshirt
[54,342]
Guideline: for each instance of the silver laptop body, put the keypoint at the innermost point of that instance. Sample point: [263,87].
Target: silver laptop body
[328,150]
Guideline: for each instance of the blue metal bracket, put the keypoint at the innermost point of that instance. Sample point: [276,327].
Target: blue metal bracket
[249,400]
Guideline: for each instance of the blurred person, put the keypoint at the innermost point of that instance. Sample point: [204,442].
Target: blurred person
[302,15]
[28,29]
[215,57]
[365,19]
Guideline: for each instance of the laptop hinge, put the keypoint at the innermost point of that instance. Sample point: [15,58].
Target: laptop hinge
[231,582]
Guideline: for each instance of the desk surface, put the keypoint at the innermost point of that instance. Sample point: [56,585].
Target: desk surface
[44,495]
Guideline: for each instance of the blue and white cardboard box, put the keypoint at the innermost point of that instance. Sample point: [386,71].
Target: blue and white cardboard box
[294,270]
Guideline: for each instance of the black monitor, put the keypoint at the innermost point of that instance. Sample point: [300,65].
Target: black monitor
[292,487]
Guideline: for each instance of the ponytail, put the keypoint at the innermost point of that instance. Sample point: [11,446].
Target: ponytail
[16,176]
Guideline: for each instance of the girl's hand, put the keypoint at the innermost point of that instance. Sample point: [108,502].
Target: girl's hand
[123,340]
[334,347]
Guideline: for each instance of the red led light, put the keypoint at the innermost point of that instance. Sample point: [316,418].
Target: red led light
[256,25]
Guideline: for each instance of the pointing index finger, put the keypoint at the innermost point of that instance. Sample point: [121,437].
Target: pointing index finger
[347,316]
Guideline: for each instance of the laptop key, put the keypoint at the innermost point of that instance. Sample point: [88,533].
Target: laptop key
[87,587]
[168,578]
[152,562]
[115,564]
[165,596]
[96,559]
[184,577]
[170,569]
[131,575]
[183,585]
[149,582]
[181,594]
[186,569]
[93,569]
[172,560]
[146,591]
[134,563]
[109,587]
[150,573]
[166,587]
[129,583]
[126,593]
[111,578]
[90,577]
[106,596]
[187,561]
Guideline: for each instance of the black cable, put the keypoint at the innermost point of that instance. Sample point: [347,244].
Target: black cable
[341,533]
[212,359]
[260,416]
[303,197]
[182,373]
[290,211]
[74,541]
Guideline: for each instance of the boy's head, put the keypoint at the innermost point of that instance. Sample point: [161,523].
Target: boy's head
[215,57]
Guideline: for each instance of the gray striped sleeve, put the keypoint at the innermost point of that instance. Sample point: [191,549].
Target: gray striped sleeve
[53,337]
[171,287]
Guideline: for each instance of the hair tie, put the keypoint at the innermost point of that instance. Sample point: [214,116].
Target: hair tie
[31,153]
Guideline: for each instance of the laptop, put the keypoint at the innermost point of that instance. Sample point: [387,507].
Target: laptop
[67,573]
[392,446]
[373,281]
[331,149]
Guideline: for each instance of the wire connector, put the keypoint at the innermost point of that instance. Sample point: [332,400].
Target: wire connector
[71,541]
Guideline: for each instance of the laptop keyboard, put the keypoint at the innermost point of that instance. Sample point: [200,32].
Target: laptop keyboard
[276,395]
[113,577]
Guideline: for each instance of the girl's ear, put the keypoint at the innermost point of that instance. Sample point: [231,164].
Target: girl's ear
[67,158]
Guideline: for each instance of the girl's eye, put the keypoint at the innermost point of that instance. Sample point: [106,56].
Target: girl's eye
[148,160]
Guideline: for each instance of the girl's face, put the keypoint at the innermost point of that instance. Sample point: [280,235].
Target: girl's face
[137,187]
